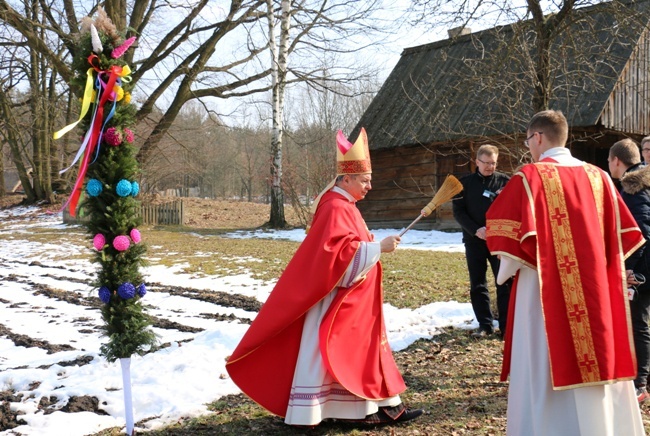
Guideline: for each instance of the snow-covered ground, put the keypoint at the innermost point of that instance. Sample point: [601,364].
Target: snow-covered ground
[168,384]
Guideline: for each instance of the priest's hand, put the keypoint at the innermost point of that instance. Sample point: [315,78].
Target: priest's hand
[389,243]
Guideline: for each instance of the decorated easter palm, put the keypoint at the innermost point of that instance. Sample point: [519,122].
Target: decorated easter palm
[107,171]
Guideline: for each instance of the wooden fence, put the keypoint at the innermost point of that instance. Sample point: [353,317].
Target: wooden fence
[168,214]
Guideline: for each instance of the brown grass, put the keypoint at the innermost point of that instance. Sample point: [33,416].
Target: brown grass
[453,377]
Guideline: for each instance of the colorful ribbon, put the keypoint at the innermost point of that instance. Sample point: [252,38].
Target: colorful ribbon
[93,136]
[85,104]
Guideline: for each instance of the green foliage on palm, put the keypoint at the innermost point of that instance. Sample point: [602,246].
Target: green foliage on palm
[127,327]
[112,213]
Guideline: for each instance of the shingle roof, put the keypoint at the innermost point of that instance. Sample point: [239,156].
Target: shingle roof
[481,85]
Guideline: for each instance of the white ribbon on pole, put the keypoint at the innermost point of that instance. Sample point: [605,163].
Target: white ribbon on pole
[128,402]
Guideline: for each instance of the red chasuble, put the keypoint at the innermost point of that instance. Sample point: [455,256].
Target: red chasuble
[571,226]
[352,334]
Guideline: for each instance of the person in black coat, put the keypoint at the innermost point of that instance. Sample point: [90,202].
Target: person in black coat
[645,150]
[469,207]
[625,164]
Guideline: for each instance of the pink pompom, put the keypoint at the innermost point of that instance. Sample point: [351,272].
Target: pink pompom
[121,243]
[99,241]
[128,135]
[113,137]
[135,236]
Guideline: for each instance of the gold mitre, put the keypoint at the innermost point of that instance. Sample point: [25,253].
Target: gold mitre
[352,158]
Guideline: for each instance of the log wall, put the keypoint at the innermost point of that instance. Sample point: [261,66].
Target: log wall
[405,179]
[626,109]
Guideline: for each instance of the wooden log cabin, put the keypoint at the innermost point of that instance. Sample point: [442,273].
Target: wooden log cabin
[445,99]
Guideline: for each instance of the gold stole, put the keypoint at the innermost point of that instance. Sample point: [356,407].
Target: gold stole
[567,263]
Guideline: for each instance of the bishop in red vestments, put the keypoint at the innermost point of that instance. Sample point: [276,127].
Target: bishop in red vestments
[318,347]
[569,351]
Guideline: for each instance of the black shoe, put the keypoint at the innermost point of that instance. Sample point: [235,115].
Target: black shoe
[392,415]
[409,414]
[481,332]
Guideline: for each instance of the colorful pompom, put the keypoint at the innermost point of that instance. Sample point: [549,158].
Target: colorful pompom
[121,243]
[99,241]
[142,289]
[119,51]
[126,291]
[135,236]
[124,188]
[113,137]
[135,188]
[128,135]
[127,98]
[94,187]
[105,294]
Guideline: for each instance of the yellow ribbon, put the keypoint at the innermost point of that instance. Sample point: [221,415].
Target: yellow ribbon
[85,104]
[126,74]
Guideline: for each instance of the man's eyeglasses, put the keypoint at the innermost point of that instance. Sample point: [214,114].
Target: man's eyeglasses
[490,164]
[528,139]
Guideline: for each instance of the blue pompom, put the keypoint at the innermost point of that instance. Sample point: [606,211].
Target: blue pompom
[105,294]
[126,291]
[123,188]
[142,289]
[135,188]
[94,187]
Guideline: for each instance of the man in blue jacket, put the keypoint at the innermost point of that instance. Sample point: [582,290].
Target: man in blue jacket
[469,207]
[625,164]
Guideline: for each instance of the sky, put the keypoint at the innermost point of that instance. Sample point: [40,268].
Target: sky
[169,384]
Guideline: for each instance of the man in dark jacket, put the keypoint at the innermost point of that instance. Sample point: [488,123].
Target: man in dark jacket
[625,164]
[645,150]
[479,191]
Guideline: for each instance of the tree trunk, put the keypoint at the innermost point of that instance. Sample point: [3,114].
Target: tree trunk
[3,189]
[40,110]
[279,72]
[13,139]
[40,132]
[116,11]
[542,96]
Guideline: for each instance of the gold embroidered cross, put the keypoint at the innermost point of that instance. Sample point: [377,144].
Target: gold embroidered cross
[559,216]
[547,171]
[588,364]
[577,312]
[567,264]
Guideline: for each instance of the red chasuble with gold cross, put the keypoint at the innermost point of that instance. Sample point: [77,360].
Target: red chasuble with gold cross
[570,224]
[352,334]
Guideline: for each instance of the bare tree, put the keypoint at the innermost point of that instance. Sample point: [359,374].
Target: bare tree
[29,115]
[279,53]
[531,57]
[12,134]
[174,62]
[321,28]
[541,35]
[196,52]
[316,115]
